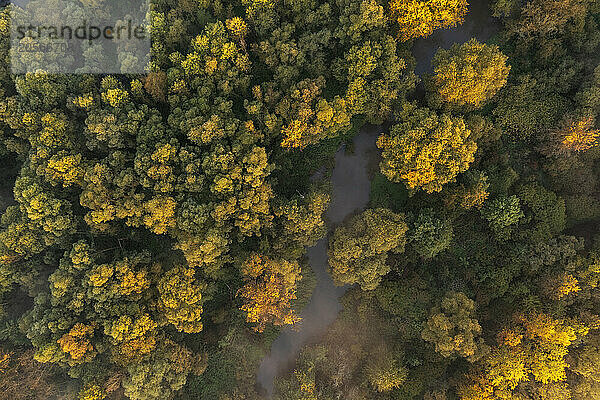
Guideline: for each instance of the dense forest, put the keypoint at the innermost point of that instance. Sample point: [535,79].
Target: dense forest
[155,227]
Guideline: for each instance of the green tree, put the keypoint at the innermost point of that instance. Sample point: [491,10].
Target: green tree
[359,248]
[430,235]
[502,215]
[161,375]
[544,212]
[300,222]
[94,308]
[453,328]
[527,107]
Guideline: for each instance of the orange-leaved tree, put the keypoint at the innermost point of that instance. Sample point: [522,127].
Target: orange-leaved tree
[269,290]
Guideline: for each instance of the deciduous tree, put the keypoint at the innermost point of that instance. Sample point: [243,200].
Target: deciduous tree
[454,330]
[471,73]
[430,234]
[269,291]
[358,249]
[181,299]
[502,215]
[426,150]
[418,18]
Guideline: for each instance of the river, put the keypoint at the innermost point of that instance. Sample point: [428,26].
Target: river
[351,187]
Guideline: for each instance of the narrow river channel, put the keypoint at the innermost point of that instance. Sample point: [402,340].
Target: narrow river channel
[351,188]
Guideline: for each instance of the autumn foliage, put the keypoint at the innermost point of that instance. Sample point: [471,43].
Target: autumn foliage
[578,136]
[471,73]
[426,150]
[269,291]
[418,18]
[159,230]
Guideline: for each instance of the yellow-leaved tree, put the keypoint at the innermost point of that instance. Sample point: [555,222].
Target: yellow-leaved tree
[471,73]
[133,337]
[77,344]
[532,351]
[426,150]
[420,18]
[573,136]
[181,299]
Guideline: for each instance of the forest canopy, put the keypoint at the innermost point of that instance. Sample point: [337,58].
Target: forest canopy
[158,231]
